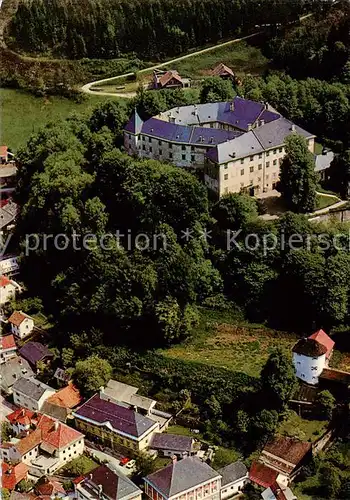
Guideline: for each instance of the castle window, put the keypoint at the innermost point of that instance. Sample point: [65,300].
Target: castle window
[275,162]
[160,152]
[313,368]
[171,156]
[150,149]
[252,158]
[274,151]
[242,161]
[149,139]
[280,150]
[267,164]
[260,156]
[184,157]
[242,171]
[170,145]
[160,143]
[226,177]
[193,158]
[267,153]
[183,148]
[251,169]
[260,166]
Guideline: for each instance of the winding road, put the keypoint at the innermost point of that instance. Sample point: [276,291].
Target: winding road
[87,88]
[128,95]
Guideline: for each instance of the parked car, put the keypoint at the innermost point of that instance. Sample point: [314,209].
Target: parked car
[124,460]
[131,464]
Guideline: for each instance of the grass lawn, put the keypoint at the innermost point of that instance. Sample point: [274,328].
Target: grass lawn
[161,462]
[241,57]
[325,201]
[79,466]
[300,428]
[225,340]
[180,430]
[22,114]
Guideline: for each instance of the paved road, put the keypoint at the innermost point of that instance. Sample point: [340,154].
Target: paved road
[113,462]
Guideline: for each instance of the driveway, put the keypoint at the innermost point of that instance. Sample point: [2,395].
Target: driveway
[112,461]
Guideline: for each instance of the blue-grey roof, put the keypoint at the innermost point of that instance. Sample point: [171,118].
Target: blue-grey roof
[114,484]
[181,476]
[246,144]
[134,125]
[162,129]
[274,134]
[173,442]
[239,113]
[233,472]
[31,387]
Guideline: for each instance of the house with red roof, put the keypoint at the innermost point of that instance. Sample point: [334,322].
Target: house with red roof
[223,72]
[12,475]
[60,404]
[48,447]
[22,420]
[8,348]
[311,356]
[169,80]
[49,488]
[278,492]
[262,475]
[21,324]
[8,289]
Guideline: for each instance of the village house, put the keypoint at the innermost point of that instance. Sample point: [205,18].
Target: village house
[21,324]
[265,476]
[233,479]
[286,456]
[8,213]
[22,420]
[11,475]
[117,392]
[311,356]
[8,348]
[240,144]
[35,352]
[103,483]
[115,425]
[223,72]
[278,492]
[48,487]
[47,448]
[9,265]
[11,371]
[31,393]
[8,289]
[60,404]
[189,478]
[169,80]
[169,445]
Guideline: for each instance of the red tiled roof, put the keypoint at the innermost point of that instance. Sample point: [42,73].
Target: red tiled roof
[164,79]
[46,432]
[7,342]
[262,475]
[49,487]
[3,150]
[324,339]
[22,416]
[289,449]
[336,376]
[310,348]
[12,475]
[221,69]
[68,397]
[17,317]
[29,442]
[4,280]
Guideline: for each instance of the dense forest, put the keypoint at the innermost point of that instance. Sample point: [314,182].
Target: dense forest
[150,28]
[319,47]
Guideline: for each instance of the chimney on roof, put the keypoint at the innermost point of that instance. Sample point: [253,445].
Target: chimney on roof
[211,140]
[262,122]
[232,106]
[293,127]
[56,425]
[250,126]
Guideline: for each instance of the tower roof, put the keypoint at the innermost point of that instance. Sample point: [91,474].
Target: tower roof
[135,123]
[309,347]
[321,337]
